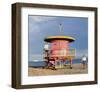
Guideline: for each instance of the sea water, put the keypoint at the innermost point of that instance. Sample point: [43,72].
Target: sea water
[42,63]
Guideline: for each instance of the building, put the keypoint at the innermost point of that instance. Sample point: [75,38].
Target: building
[57,50]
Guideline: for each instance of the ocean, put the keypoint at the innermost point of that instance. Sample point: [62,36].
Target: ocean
[42,63]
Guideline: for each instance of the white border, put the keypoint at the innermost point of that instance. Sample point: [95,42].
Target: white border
[25,79]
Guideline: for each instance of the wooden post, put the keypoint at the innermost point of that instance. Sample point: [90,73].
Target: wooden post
[70,63]
[47,57]
[64,62]
[53,67]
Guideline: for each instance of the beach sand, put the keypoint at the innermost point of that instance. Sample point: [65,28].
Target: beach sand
[77,69]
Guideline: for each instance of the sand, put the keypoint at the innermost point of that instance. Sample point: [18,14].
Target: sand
[77,69]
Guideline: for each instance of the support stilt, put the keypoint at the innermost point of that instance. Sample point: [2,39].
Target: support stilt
[70,63]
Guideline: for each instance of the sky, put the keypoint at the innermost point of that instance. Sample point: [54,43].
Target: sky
[40,27]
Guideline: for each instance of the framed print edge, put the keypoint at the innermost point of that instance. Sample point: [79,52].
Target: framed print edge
[16,45]
[96,45]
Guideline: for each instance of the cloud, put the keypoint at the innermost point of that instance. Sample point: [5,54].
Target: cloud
[41,18]
[37,24]
[36,57]
[80,53]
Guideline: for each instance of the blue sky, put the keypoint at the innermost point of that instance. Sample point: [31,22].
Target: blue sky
[40,27]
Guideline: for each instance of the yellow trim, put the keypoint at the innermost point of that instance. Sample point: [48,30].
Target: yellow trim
[66,37]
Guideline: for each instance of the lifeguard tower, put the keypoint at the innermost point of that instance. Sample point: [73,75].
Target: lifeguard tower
[57,50]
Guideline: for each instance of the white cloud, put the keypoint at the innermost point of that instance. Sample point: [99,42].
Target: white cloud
[80,53]
[42,18]
[36,57]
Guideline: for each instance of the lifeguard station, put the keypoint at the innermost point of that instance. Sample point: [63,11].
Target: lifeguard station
[57,50]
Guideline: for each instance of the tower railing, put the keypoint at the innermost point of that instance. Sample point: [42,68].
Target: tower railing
[70,53]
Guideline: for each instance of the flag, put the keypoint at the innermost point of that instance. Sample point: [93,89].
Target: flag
[60,27]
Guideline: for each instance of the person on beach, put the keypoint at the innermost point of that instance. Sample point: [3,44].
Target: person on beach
[84,62]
